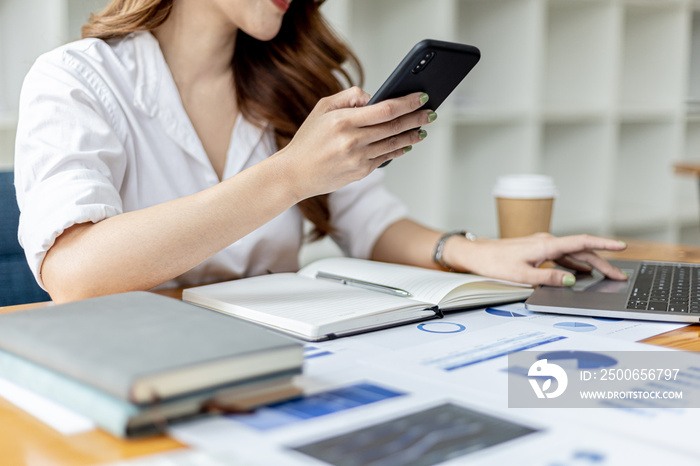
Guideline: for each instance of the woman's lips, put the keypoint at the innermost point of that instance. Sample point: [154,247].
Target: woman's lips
[281,4]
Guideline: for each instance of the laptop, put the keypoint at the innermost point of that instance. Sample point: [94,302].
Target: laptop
[663,291]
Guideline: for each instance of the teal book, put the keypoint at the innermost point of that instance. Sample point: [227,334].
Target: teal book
[145,348]
[125,419]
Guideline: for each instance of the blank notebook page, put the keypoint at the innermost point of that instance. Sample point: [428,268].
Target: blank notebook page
[290,297]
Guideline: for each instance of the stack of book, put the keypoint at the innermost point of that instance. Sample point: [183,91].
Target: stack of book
[136,362]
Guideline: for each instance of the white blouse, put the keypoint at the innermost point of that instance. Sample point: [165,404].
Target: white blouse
[102,131]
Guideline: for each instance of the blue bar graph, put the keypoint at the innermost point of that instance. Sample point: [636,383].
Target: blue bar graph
[313,406]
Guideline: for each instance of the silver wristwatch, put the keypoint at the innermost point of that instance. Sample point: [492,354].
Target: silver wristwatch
[440,246]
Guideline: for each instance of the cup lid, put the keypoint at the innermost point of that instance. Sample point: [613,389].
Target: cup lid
[525,186]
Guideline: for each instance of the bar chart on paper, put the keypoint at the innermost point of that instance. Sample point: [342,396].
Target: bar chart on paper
[312,406]
[466,357]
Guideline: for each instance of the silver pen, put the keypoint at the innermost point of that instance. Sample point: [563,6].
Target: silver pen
[363,284]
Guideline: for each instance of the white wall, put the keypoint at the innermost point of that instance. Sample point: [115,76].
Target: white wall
[592,92]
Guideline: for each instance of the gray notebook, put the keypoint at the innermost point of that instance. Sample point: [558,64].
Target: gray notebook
[143,347]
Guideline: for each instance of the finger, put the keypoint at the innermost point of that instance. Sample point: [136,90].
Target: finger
[377,161]
[601,264]
[349,98]
[571,244]
[571,263]
[388,110]
[546,276]
[394,143]
[400,125]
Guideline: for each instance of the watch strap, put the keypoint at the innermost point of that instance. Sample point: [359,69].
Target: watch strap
[440,246]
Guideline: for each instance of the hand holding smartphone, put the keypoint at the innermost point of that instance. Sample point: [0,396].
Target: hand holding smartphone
[432,66]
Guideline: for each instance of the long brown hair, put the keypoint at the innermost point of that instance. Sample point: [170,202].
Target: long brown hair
[277,82]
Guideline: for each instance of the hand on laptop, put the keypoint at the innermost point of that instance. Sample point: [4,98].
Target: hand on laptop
[519,259]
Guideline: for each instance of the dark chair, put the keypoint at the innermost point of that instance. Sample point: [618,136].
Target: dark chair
[17,284]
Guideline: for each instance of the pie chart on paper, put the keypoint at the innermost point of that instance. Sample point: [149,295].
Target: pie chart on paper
[575,326]
[442,327]
[503,313]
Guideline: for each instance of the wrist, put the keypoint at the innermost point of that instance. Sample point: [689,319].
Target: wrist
[288,176]
[449,250]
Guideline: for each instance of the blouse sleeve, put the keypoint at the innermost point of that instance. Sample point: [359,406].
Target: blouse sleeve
[360,212]
[69,161]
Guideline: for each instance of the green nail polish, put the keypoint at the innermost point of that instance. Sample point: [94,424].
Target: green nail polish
[431,117]
[423,98]
[407,149]
[623,243]
[422,134]
[569,280]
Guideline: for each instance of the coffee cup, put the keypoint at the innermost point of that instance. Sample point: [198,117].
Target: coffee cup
[524,203]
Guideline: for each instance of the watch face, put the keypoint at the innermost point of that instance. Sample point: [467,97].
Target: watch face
[440,245]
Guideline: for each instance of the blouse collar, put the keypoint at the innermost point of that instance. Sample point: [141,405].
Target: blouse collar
[157,96]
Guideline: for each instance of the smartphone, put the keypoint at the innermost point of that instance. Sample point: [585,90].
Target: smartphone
[432,66]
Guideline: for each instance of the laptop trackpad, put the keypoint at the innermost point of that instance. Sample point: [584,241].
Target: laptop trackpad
[596,281]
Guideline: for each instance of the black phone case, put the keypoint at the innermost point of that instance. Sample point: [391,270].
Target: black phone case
[449,64]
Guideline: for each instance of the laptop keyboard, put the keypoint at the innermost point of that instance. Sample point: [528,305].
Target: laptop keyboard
[666,288]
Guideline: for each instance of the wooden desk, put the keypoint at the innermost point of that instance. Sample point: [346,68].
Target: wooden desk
[25,440]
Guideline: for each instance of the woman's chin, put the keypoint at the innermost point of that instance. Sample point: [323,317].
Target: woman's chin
[263,34]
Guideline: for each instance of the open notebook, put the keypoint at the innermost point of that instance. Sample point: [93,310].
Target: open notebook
[343,296]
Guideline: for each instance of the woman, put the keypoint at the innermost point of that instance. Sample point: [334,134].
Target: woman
[182,140]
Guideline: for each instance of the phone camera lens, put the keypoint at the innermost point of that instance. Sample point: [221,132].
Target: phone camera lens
[424,62]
